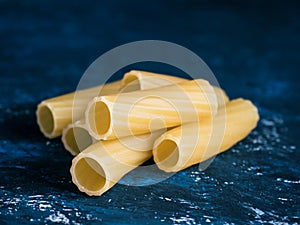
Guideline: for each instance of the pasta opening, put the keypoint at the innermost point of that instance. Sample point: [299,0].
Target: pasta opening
[167,153]
[102,118]
[46,119]
[90,174]
[131,83]
[78,139]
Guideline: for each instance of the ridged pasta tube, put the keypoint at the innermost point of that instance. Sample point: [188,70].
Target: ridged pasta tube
[54,114]
[103,164]
[181,147]
[136,80]
[139,112]
[76,137]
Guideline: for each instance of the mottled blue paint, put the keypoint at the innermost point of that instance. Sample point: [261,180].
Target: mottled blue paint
[253,48]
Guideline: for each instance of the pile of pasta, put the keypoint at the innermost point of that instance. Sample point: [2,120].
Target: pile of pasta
[113,128]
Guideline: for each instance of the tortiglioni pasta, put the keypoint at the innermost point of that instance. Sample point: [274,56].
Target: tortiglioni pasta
[182,147]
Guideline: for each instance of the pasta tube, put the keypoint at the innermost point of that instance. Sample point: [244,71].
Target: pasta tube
[103,164]
[179,148]
[54,114]
[76,137]
[136,80]
[139,112]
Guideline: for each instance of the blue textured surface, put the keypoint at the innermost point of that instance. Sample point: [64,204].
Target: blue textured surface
[253,49]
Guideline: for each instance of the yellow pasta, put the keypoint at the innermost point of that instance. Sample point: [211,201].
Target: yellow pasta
[54,114]
[139,112]
[103,164]
[120,125]
[182,147]
[76,137]
[136,80]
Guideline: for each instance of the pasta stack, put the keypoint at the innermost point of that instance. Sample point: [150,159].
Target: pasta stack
[113,128]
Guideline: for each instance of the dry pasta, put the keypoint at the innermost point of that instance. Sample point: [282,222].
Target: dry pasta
[103,164]
[76,137]
[139,112]
[120,125]
[182,147]
[136,80]
[54,114]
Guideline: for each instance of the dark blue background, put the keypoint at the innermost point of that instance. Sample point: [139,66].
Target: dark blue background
[253,49]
